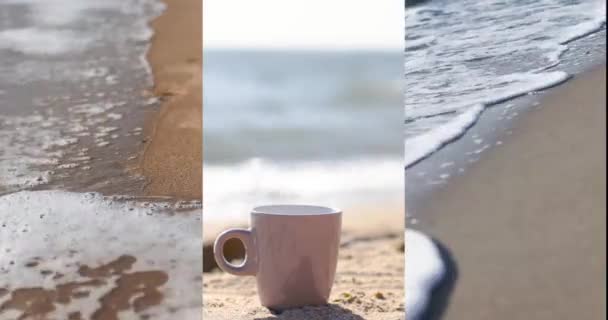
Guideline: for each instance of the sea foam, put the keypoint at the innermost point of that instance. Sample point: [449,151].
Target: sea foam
[63,231]
[462,54]
[51,23]
[90,57]
[230,191]
[424,270]
[40,41]
[422,145]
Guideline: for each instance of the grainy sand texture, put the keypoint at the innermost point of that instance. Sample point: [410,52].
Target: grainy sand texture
[526,225]
[172,161]
[368,285]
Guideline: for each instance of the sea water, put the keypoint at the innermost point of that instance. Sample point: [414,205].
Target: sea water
[462,56]
[313,127]
[72,74]
[70,70]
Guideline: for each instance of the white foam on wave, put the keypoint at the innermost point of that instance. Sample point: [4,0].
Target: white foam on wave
[62,12]
[52,30]
[29,146]
[40,41]
[57,27]
[595,23]
[66,230]
[53,25]
[32,145]
[422,145]
[424,269]
[230,191]
[463,53]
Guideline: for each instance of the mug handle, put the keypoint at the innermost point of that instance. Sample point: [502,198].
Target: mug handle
[249,266]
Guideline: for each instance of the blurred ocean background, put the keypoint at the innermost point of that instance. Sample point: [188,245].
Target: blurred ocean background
[300,126]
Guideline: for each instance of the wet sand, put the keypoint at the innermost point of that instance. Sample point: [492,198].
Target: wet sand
[525,225]
[172,160]
[113,285]
[136,291]
[64,256]
[72,119]
[369,279]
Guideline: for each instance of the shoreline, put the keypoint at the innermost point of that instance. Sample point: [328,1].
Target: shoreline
[172,159]
[52,264]
[517,246]
[494,125]
[74,121]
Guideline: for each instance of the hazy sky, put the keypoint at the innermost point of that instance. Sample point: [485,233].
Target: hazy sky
[311,24]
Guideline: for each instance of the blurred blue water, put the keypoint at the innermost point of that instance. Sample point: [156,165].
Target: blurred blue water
[301,105]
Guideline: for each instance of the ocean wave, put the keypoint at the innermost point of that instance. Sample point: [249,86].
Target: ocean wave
[423,145]
[230,191]
[462,54]
[58,27]
[37,41]
[88,56]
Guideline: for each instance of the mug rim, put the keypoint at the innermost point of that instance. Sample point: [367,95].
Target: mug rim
[297,210]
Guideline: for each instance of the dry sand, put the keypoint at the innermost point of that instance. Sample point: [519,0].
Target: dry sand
[526,225]
[172,161]
[369,280]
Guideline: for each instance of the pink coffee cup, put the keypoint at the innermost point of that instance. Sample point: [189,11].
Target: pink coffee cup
[292,250]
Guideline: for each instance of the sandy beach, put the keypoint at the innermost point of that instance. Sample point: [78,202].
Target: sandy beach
[52,265]
[368,285]
[172,160]
[525,225]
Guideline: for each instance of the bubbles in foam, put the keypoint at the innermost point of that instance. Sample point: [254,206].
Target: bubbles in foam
[48,237]
[422,145]
[33,145]
[460,54]
[35,139]
[78,50]
[42,42]
[433,135]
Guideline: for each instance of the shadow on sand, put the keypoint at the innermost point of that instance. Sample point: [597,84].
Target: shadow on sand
[440,296]
[330,311]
